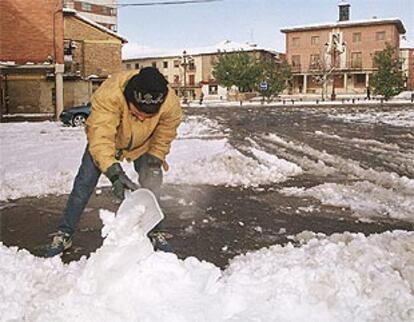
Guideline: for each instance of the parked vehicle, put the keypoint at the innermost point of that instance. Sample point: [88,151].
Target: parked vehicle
[76,116]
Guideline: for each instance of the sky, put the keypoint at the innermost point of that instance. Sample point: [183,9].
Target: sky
[255,21]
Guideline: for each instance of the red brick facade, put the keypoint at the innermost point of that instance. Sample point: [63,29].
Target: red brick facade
[410,62]
[31,31]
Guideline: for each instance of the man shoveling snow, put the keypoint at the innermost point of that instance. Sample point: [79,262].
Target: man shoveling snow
[134,116]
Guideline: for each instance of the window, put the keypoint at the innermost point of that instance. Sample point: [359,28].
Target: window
[176,79]
[68,46]
[85,6]
[191,65]
[314,61]
[295,61]
[165,64]
[314,40]
[128,66]
[213,89]
[176,63]
[356,37]
[136,65]
[356,60]
[191,79]
[380,35]
[154,64]
[359,80]
[295,41]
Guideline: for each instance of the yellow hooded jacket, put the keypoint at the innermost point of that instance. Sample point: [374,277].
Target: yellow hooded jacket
[115,134]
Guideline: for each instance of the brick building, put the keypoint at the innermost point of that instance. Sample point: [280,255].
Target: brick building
[337,58]
[31,47]
[60,57]
[193,69]
[407,56]
[90,49]
[92,53]
[103,12]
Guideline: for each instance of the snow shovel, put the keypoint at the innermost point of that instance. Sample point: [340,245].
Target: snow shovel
[152,214]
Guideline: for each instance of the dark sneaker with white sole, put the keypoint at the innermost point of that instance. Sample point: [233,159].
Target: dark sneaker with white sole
[159,241]
[61,242]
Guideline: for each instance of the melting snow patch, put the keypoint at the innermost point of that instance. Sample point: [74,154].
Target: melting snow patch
[403,118]
[364,198]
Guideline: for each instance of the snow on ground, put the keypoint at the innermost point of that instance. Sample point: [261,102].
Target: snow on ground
[365,199]
[50,155]
[403,118]
[378,194]
[345,277]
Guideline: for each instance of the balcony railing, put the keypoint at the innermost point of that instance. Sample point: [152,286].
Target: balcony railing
[314,66]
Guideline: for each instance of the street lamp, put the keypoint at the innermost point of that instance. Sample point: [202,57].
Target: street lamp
[184,63]
[334,48]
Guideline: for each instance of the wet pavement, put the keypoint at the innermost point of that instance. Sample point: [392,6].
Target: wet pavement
[216,223]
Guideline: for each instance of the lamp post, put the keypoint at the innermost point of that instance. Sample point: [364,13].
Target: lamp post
[184,63]
[334,48]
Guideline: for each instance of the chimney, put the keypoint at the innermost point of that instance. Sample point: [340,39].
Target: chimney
[344,11]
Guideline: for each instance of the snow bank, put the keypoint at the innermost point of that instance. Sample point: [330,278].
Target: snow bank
[218,163]
[345,277]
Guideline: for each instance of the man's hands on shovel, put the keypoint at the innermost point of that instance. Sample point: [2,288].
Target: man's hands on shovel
[120,181]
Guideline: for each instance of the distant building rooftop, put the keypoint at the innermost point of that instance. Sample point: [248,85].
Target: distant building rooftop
[348,23]
[134,51]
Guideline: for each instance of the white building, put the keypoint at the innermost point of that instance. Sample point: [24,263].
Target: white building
[190,71]
[103,12]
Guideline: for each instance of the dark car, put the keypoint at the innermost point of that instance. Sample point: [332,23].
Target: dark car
[76,116]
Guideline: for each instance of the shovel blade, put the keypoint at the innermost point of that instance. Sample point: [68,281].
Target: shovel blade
[152,214]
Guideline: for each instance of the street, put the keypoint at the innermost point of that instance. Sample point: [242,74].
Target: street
[357,171]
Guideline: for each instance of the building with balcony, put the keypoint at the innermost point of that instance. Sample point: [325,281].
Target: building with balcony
[337,58]
[103,12]
[190,72]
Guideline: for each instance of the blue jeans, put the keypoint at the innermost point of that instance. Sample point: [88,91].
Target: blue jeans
[86,181]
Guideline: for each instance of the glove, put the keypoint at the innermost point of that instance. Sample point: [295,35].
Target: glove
[120,181]
[153,161]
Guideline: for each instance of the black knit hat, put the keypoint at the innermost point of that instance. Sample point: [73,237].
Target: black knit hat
[147,90]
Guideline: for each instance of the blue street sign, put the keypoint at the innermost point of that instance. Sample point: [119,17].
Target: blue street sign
[263,86]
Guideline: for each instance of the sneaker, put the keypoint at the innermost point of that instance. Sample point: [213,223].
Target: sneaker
[61,242]
[159,242]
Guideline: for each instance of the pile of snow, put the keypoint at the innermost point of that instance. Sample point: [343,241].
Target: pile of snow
[345,277]
[406,95]
[50,155]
